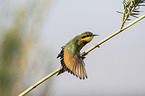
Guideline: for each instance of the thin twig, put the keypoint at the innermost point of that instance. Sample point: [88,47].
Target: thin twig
[39,82]
[84,54]
[114,34]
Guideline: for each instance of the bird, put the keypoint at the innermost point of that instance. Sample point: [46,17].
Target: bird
[70,57]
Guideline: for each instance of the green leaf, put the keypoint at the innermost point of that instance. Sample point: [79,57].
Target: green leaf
[119,12]
[137,11]
[141,5]
[134,14]
[128,19]
[134,4]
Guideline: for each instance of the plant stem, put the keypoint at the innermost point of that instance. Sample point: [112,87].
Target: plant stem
[114,34]
[128,14]
[39,82]
[84,54]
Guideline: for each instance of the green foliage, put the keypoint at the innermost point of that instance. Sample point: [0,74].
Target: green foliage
[131,8]
[16,41]
[10,52]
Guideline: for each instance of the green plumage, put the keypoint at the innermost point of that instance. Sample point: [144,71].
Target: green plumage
[71,59]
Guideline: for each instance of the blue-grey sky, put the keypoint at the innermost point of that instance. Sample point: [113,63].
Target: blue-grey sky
[117,68]
[114,69]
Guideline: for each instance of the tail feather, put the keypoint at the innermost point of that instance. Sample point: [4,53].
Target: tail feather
[61,71]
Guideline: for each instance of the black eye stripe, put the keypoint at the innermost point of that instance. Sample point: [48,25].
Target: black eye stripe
[87,35]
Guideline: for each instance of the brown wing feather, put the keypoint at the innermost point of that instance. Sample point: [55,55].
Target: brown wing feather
[74,65]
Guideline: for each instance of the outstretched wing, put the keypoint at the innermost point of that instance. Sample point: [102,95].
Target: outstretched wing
[74,64]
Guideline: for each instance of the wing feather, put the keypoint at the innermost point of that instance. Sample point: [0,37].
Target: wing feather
[74,65]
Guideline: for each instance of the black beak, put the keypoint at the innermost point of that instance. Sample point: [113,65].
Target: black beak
[95,35]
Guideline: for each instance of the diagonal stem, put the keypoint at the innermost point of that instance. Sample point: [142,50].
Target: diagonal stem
[84,54]
[111,36]
[39,82]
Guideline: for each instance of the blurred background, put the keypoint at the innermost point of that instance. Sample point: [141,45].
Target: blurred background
[33,31]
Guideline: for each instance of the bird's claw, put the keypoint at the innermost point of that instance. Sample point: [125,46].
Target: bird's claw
[83,57]
[98,46]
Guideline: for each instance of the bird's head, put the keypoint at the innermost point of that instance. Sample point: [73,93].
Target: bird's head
[85,38]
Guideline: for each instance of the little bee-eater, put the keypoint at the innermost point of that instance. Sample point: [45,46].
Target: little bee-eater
[71,58]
